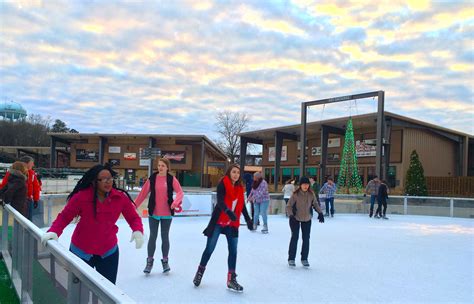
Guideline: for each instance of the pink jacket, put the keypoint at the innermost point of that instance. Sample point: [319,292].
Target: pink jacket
[97,235]
[161,195]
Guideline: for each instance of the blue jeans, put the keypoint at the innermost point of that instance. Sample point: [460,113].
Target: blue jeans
[231,244]
[261,209]
[373,197]
[329,200]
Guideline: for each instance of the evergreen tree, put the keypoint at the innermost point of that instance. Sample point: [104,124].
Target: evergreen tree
[349,179]
[415,183]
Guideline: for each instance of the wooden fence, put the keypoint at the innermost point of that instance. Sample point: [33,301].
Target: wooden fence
[462,186]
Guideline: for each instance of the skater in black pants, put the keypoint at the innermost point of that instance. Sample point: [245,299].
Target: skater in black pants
[300,208]
[225,220]
[382,197]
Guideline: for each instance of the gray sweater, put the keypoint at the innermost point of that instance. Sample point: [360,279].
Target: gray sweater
[303,201]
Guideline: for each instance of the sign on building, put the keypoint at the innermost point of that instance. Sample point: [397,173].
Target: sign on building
[272,151]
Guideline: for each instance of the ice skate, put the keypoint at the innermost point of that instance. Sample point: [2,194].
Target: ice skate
[232,284]
[149,265]
[305,263]
[291,263]
[166,266]
[198,277]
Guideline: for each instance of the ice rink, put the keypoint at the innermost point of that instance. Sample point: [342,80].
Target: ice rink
[354,259]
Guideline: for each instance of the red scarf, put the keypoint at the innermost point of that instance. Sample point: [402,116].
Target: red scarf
[232,193]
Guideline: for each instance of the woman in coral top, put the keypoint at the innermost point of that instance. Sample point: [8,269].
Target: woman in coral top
[226,220]
[161,208]
[99,203]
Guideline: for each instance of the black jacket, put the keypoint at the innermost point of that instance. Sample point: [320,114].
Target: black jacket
[383,193]
[15,192]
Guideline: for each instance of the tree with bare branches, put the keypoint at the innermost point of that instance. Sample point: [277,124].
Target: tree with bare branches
[229,125]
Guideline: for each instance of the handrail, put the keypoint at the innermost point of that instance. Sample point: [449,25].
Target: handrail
[100,286]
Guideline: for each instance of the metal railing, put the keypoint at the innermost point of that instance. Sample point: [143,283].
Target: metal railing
[406,205]
[50,274]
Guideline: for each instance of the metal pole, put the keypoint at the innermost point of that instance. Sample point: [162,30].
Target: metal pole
[451,207]
[405,205]
[52,159]
[4,231]
[203,155]
[303,138]
[380,127]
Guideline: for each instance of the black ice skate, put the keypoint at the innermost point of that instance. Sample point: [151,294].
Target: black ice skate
[166,266]
[198,276]
[305,263]
[149,265]
[232,284]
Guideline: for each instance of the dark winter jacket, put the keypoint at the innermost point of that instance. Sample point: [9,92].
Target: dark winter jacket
[301,205]
[219,209]
[382,195]
[15,192]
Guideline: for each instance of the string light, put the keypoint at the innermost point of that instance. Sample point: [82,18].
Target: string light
[349,180]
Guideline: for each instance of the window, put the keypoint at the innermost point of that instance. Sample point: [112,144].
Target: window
[286,174]
[296,174]
[392,177]
[311,172]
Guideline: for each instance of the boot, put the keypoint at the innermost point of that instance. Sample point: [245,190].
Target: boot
[149,265]
[291,263]
[232,282]
[305,263]
[198,276]
[371,212]
[385,217]
[265,229]
[166,266]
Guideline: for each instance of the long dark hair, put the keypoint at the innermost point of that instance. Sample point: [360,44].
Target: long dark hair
[227,173]
[90,179]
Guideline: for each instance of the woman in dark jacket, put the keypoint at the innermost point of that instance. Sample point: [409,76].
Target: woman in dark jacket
[226,220]
[382,197]
[15,192]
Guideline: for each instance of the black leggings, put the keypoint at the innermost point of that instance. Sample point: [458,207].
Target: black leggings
[379,207]
[165,236]
[295,231]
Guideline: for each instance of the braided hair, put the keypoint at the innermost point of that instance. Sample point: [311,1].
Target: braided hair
[90,179]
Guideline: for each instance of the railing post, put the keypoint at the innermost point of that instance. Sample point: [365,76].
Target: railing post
[451,207]
[405,205]
[50,211]
[4,245]
[73,289]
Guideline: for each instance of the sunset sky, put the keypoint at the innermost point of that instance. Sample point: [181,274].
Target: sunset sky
[170,66]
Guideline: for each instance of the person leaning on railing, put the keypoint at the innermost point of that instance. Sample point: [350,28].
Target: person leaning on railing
[99,203]
[15,190]
[33,186]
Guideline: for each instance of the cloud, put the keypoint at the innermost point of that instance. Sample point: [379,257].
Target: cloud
[170,66]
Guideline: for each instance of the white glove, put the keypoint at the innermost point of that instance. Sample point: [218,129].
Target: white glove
[138,237]
[48,236]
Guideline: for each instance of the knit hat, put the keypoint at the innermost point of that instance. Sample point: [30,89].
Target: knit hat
[304,180]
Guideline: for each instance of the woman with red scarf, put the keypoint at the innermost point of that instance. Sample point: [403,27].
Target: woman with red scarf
[225,220]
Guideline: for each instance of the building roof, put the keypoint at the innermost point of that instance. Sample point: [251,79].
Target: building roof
[78,137]
[359,122]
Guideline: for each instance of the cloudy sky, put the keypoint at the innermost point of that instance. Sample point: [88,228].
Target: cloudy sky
[170,66]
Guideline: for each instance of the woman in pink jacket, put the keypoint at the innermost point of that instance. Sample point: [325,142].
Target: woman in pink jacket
[99,204]
[161,208]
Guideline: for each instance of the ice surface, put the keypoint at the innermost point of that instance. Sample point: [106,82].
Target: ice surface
[354,259]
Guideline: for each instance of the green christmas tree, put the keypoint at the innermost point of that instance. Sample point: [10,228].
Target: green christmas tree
[415,183]
[349,179]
